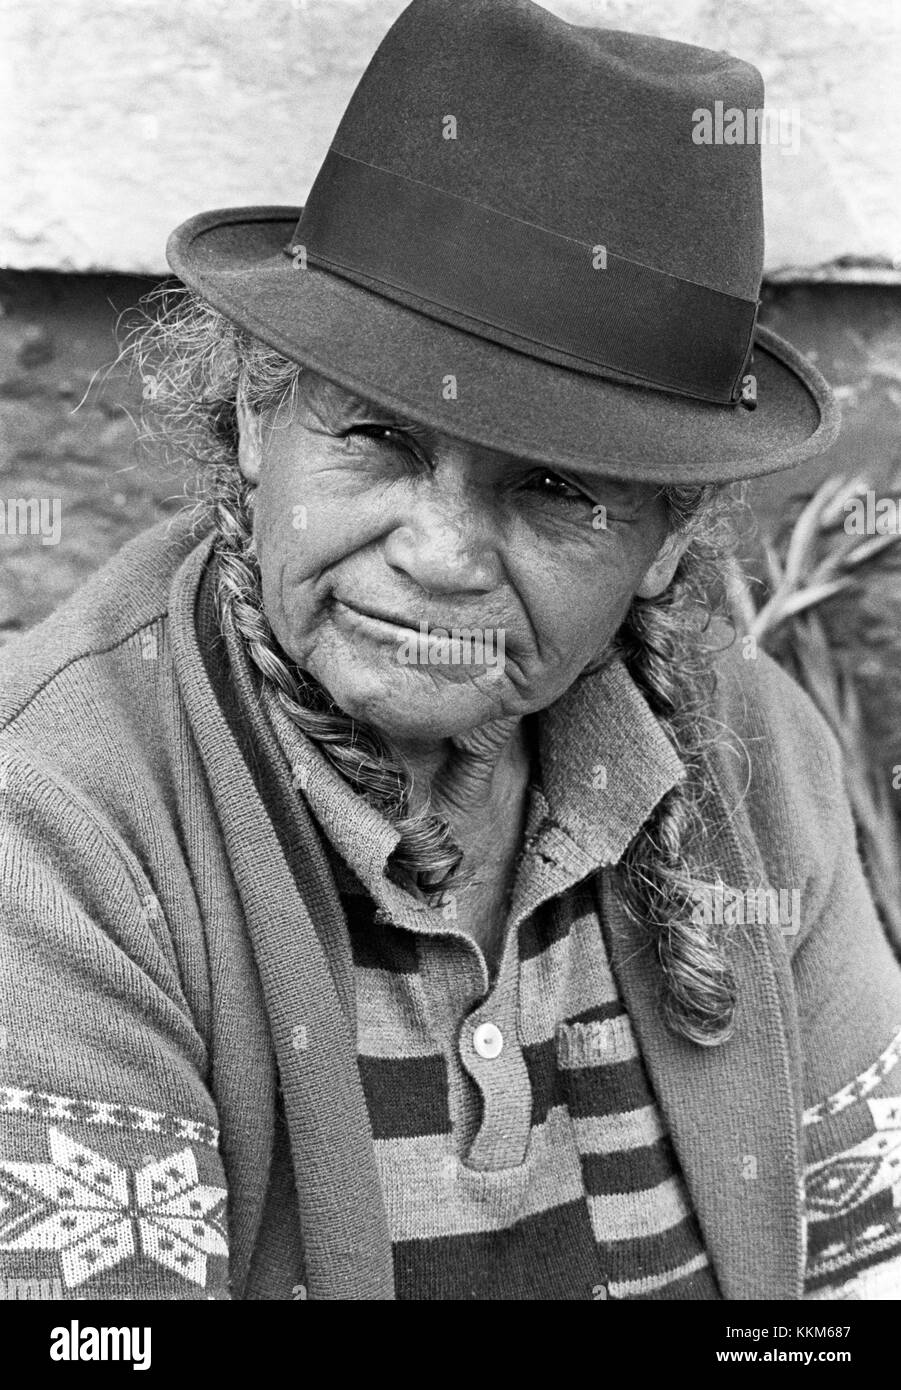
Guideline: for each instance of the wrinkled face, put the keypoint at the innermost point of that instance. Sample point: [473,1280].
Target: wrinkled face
[372,534]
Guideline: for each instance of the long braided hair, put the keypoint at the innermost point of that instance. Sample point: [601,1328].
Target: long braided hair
[195,361]
[658,883]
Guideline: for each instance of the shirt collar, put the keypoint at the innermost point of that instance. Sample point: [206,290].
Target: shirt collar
[605,762]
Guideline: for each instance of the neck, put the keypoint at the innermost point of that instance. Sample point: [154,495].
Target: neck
[470,778]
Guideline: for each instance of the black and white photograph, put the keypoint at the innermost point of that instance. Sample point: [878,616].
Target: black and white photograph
[450,666]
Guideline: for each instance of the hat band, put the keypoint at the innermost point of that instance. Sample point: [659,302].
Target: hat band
[508,280]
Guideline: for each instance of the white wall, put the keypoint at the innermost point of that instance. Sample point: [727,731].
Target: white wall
[119,118]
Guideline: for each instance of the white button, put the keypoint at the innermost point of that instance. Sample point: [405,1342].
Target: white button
[488,1040]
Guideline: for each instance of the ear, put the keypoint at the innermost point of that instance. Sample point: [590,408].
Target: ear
[250,439]
[659,574]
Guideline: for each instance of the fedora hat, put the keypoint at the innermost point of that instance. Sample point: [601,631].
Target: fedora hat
[516,239]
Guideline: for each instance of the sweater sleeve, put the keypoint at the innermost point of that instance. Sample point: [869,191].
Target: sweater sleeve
[848,986]
[111,1180]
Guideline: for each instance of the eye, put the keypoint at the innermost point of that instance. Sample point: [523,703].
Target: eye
[383,434]
[552,485]
[387,436]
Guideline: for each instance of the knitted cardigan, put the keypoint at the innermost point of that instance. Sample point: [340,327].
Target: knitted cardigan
[166,932]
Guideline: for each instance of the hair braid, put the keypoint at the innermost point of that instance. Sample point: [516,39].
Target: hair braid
[657,882]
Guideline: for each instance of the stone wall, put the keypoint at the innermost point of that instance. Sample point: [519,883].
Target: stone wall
[67,431]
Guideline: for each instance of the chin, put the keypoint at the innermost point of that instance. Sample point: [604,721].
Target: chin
[407,705]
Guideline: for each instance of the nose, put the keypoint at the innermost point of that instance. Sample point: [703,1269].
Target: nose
[446,542]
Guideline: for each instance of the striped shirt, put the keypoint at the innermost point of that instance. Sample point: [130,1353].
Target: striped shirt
[519,1146]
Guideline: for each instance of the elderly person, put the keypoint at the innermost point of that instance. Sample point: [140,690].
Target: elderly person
[408,890]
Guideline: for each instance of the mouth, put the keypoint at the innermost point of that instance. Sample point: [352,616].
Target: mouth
[457,651]
[389,625]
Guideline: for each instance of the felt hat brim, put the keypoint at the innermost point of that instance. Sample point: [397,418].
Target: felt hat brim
[505,399]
